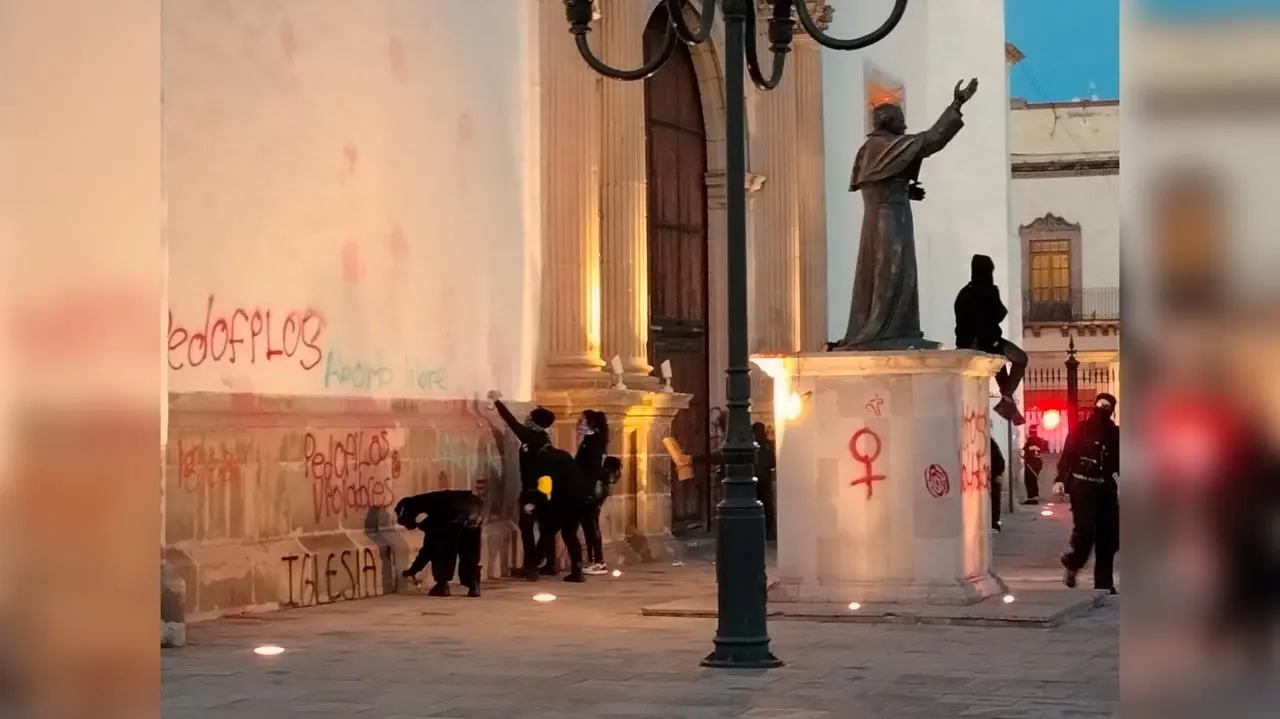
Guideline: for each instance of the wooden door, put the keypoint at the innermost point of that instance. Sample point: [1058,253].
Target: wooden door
[677,166]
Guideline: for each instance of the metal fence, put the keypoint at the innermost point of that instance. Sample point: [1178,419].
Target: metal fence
[1045,398]
[1062,305]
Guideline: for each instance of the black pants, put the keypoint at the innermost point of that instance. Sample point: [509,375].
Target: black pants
[1031,479]
[455,545]
[995,502]
[564,520]
[1008,378]
[592,532]
[1095,528]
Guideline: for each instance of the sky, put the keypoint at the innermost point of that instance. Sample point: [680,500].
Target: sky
[1072,43]
[1068,45]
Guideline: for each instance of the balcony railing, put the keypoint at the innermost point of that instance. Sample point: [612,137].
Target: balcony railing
[1088,305]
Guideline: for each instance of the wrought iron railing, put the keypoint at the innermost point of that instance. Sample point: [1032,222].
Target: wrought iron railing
[1059,305]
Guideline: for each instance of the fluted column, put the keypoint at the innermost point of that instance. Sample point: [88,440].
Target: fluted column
[570,96]
[624,208]
[811,191]
[776,263]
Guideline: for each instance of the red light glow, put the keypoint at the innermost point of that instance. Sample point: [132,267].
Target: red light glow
[1051,419]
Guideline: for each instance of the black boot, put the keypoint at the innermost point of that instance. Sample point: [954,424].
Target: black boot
[1068,574]
[548,570]
[575,575]
[530,574]
[441,589]
[473,590]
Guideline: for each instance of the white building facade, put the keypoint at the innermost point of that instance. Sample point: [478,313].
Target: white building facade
[1065,160]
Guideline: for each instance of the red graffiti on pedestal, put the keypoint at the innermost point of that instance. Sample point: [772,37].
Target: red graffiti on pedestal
[875,405]
[975,473]
[937,481]
[869,477]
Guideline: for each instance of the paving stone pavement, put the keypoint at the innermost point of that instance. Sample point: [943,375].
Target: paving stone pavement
[591,654]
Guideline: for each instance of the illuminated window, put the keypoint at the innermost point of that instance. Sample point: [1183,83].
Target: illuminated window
[1050,271]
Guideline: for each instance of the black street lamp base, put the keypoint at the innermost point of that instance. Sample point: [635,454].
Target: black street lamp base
[742,654]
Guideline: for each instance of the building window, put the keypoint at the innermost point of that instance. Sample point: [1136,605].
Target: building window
[1050,271]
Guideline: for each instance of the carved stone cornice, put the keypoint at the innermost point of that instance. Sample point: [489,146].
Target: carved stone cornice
[1050,223]
[1084,167]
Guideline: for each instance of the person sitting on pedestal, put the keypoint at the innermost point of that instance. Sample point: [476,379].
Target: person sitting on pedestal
[979,312]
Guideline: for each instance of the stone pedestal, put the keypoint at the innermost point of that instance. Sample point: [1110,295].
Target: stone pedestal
[883,477]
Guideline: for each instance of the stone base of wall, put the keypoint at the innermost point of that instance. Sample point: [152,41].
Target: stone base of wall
[275,502]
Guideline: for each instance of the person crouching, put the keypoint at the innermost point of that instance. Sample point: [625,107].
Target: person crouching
[452,524]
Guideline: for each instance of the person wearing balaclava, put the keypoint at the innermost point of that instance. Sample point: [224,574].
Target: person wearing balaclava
[979,312]
[534,503]
[1087,471]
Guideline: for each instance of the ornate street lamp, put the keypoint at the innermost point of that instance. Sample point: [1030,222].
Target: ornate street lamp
[742,638]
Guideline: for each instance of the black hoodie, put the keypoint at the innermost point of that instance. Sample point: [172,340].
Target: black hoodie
[979,310]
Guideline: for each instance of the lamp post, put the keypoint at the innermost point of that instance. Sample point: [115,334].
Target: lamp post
[742,638]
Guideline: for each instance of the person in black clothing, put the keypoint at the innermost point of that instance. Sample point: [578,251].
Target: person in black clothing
[534,505]
[565,508]
[766,466]
[979,312]
[997,473]
[1087,471]
[600,473]
[1032,463]
[452,523]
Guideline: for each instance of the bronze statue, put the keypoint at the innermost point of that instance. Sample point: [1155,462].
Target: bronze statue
[885,313]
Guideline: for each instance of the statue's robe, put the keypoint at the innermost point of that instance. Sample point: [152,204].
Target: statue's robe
[885,313]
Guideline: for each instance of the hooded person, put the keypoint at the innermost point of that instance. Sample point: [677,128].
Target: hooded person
[979,312]
[1087,471]
[534,439]
[452,523]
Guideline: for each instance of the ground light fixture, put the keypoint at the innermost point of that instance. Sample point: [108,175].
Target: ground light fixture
[1009,599]
[268,650]
[742,637]
[544,597]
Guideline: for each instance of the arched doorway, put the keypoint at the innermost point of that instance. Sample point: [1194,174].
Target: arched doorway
[676,143]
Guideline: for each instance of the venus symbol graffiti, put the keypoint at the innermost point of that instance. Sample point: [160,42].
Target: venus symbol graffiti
[937,481]
[867,459]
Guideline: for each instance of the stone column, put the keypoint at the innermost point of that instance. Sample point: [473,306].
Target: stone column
[570,96]
[624,194]
[811,192]
[777,279]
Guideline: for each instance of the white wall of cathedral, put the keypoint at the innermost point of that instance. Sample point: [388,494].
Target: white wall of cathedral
[352,197]
[967,210]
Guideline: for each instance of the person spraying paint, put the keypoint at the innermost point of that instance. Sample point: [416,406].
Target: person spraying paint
[535,515]
[452,524]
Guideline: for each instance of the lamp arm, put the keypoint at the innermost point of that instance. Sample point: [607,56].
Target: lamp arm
[857,43]
[675,9]
[579,13]
[781,32]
